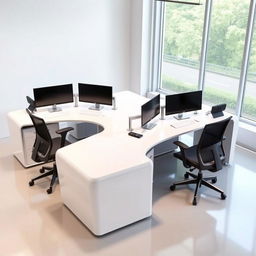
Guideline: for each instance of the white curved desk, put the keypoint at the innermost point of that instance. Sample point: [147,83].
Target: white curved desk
[106,179]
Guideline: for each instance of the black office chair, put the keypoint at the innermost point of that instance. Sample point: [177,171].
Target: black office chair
[45,147]
[208,154]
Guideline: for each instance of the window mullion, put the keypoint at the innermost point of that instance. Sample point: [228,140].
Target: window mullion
[246,56]
[205,39]
[157,46]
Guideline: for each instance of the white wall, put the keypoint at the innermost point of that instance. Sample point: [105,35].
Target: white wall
[47,42]
[141,33]
[136,44]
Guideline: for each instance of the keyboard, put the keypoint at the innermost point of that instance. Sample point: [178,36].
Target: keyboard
[182,123]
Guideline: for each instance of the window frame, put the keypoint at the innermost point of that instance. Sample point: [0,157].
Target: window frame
[157,53]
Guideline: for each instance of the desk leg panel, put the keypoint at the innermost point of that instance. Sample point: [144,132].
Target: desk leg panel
[107,203]
[15,138]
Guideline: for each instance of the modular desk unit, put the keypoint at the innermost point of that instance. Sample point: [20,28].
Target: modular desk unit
[106,179]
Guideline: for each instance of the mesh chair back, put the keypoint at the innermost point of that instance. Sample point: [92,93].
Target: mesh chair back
[43,142]
[210,150]
[213,133]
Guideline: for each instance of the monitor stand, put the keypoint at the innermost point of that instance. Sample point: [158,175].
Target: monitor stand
[96,107]
[54,108]
[149,126]
[182,116]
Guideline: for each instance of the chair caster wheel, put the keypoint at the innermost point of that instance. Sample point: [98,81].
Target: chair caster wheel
[49,190]
[31,183]
[186,176]
[172,187]
[223,196]
[194,201]
[41,170]
[214,180]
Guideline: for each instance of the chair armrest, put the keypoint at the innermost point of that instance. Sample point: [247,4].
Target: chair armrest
[63,133]
[67,129]
[181,145]
[183,148]
[217,159]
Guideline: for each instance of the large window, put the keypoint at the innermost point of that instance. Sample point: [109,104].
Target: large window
[203,47]
[183,26]
[225,51]
[249,104]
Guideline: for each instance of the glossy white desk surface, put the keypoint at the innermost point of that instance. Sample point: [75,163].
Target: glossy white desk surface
[112,150]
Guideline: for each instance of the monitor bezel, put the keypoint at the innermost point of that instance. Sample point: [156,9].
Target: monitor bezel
[183,110]
[110,103]
[36,90]
[143,106]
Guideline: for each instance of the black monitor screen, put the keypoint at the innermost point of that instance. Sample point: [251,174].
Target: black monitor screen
[183,102]
[58,94]
[99,94]
[150,109]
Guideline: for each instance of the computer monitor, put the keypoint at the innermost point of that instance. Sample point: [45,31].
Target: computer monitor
[183,102]
[98,94]
[53,95]
[148,111]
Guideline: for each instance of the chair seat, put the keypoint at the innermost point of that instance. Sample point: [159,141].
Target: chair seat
[55,146]
[191,157]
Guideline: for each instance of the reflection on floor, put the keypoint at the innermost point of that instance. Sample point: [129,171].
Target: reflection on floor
[34,223]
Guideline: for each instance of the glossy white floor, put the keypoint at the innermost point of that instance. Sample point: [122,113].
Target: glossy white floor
[34,223]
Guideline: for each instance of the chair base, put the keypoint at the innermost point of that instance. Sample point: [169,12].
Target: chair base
[52,171]
[45,168]
[199,181]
